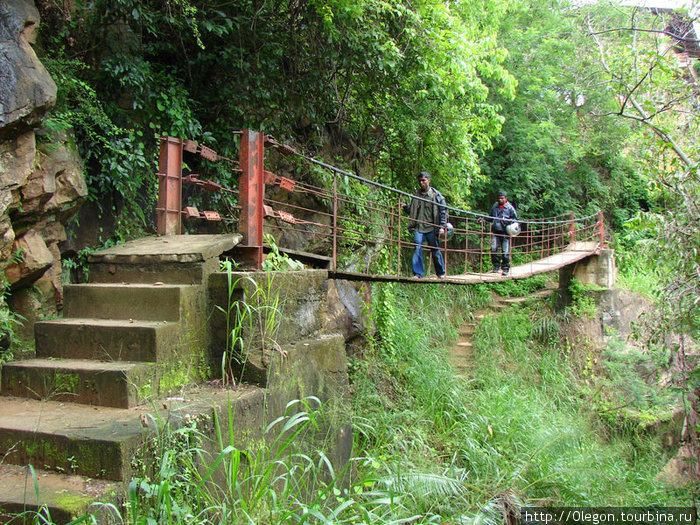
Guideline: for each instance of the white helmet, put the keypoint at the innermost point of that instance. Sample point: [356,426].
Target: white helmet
[448,230]
[513,229]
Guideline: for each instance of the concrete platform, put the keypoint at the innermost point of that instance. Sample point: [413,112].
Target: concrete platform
[171,248]
[174,259]
[91,441]
[100,442]
[65,496]
[90,449]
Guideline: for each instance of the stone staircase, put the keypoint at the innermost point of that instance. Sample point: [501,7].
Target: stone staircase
[460,354]
[151,323]
[74,412]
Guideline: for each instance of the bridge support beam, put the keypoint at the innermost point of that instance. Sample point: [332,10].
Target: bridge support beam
[170,186]
[252,192]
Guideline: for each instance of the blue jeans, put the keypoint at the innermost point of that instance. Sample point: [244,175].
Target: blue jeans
[502,241]
[417,261]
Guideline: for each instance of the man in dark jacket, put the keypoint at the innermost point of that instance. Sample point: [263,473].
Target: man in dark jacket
[427,220]
[502,214]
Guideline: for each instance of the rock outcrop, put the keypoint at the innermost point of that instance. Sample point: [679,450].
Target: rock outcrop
[27,88]
[41,178]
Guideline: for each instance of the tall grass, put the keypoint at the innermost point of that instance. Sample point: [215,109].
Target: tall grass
[521,424]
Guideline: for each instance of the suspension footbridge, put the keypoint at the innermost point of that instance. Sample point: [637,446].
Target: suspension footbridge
[350,225]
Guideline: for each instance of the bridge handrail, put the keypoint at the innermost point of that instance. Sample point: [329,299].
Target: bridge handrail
[288,150]
[367,220]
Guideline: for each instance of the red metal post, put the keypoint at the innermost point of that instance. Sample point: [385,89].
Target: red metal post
[391,237]
[335,220]
[601,228]
[169,186]
[398,229]
[251,194]
[572,228]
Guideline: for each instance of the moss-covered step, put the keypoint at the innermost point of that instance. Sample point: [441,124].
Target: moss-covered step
[112,384]
[146,302]
[117,444]
[98,442]
[105,339]
[64,496]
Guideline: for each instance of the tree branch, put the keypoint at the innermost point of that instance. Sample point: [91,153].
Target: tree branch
[638,29]
[644,118]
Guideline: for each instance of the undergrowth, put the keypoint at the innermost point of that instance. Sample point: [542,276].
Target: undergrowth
[523,424]
[430,446]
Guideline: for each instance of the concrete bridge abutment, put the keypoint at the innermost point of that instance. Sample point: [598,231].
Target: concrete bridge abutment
[595,270]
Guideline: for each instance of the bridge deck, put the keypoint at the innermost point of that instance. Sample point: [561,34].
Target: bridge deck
[573,253]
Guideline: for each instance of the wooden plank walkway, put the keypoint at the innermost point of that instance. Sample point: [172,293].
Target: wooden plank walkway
[573,253]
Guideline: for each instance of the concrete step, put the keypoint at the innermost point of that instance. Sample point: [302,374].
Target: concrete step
[65,496]
[101,442]
[112,384]
[91,441]
[145,302]
[464,344]
[105,339]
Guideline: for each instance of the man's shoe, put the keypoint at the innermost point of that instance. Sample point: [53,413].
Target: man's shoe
[495,270]
[441,276]
[416,277]
[505,272]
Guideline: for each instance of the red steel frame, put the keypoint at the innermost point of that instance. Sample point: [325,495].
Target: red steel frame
[251,194]
[169,208]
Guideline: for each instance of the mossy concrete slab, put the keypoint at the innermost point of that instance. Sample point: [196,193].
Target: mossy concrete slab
[169,248]
[65,496]
[146,302]
[310,367]
[176,259]
[105,339]
[111,384]
[97,442]
[106,443]
[85,446]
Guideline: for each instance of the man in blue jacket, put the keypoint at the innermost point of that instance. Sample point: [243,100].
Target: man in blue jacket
[502,214]
[427,220]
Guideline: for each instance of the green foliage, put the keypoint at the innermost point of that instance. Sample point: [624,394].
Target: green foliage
[116,159]
[76,269]
[401,85]
[199,480]
[252,314]
[582,304]
[520,287]
[517,425]
[276,261]
[9,320]
[556,154]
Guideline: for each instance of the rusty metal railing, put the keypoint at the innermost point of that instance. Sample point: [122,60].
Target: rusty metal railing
[355,222]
